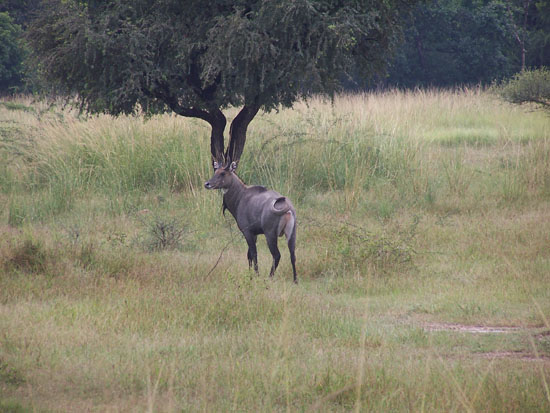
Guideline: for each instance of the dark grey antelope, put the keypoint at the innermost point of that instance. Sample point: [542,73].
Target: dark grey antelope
[257,210]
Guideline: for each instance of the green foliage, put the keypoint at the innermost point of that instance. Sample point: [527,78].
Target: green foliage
[11,376]
[538,47]
[453,42]
[355,248]
[189,56]
[11,54]
[224,47]
[529,86]
[20,10]
[13,407]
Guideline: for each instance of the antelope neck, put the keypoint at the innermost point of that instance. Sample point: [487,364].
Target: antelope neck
[232,195]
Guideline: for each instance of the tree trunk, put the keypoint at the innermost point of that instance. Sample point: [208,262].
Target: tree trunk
[420,52]
[237,132]
[217,122]
[526,4]
[520,33]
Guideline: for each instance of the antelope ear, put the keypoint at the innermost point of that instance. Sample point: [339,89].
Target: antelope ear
[233,166]
[216,165]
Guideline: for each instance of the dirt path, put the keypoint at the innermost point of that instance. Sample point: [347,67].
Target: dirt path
[461,328]
[536,333]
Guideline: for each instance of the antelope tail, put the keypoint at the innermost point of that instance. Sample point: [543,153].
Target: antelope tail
[280,206]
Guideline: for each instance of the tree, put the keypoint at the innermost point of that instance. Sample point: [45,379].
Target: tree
[197,58]
[11,54]
[21,11]
[454,42]
[538,53]
[518,11]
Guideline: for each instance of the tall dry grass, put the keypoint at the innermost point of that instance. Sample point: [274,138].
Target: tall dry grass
[419,212]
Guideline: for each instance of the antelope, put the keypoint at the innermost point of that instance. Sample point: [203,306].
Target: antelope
[257,210]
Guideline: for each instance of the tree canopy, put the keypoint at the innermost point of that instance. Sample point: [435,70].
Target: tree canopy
[197,58]
[445,42]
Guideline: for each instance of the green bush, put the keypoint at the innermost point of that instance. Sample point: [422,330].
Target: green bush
[529,86]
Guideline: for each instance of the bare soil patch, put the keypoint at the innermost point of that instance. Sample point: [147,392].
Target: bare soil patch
[478,329]
[462,328]
[520,355]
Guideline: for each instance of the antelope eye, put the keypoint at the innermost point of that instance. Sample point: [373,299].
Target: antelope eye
[222,174]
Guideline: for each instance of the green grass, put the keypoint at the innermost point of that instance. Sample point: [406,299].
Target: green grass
[123,288]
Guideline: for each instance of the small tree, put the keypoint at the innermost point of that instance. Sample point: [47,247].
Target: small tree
[197,58]
[528,86]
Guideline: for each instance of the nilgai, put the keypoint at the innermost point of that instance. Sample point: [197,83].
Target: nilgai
[257,210]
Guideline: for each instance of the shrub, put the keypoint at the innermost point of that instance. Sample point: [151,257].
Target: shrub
[529,86]
[29,256]
[356,249]
[9,375]
[164,233]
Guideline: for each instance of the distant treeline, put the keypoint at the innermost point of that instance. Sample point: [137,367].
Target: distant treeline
[443,43]
[454,42]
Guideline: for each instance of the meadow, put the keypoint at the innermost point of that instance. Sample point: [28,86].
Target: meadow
[423,260]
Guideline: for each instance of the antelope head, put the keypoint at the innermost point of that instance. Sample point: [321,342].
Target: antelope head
[223,176]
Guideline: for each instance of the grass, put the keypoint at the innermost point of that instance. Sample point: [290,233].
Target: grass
[123,288]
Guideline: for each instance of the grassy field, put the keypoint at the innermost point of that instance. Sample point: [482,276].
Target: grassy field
[423,261]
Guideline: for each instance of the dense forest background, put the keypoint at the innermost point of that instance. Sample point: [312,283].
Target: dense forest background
[454,42]
[443,43]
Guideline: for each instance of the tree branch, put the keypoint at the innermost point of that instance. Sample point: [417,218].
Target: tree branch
[216,137]
[213,116]
[237,132]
